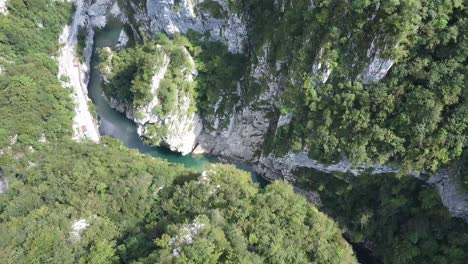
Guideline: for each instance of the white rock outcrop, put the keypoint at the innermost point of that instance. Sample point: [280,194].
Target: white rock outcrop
[74,74]
[284,120]
[283,167]
[377,68]
[247,125]
[183,125]
[3,9]
[78,227]
[185,236]
[446,181]
[240,140]
[321,69]
[123,40]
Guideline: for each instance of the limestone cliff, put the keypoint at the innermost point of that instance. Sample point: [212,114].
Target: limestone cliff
[74,68]
[171,17]
[453,196]
[176,127]
[247,124]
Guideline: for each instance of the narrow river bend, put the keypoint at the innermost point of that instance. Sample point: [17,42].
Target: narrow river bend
[115,124]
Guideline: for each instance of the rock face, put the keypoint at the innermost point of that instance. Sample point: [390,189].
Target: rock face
[240,140]
[246,126]
[185,236]
[3,9]
[183,126]
[74,73]
[3,183]
[123,40]
[172,16]
[78,227]
[282,167]
[378,67]
[455,199]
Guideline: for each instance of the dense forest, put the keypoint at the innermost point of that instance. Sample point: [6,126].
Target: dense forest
[136,208]
[70,202]
[33,104]
[403,219]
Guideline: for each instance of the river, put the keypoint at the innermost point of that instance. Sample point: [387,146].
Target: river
[115,124]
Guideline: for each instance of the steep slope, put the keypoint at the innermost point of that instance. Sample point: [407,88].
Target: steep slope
[324,91]
[63,201]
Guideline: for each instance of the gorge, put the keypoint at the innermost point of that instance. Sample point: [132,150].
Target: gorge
[361,106]
[245,129]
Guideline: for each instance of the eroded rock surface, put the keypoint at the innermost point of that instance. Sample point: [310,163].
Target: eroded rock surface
[3,183]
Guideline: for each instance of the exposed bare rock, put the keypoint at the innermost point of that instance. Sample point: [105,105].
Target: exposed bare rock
[247,125]
[451,193]
[181,16]
[123,40]
[84,125]
[183,125]
[3,9]
[240,140]
[78,227]
[321,68]
[185,236]
[378,67]
[3,183]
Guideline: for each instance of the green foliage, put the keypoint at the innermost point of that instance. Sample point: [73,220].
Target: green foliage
[32,101]
[81,45]
[129,201]
[129,72]
[402,217]
[213,8]
[237,223]
[108,185]
[417,116]
[218,75]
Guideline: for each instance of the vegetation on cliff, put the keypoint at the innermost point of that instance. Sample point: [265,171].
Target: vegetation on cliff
[214,90]
[33,104]
[71,202]
[417,116]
